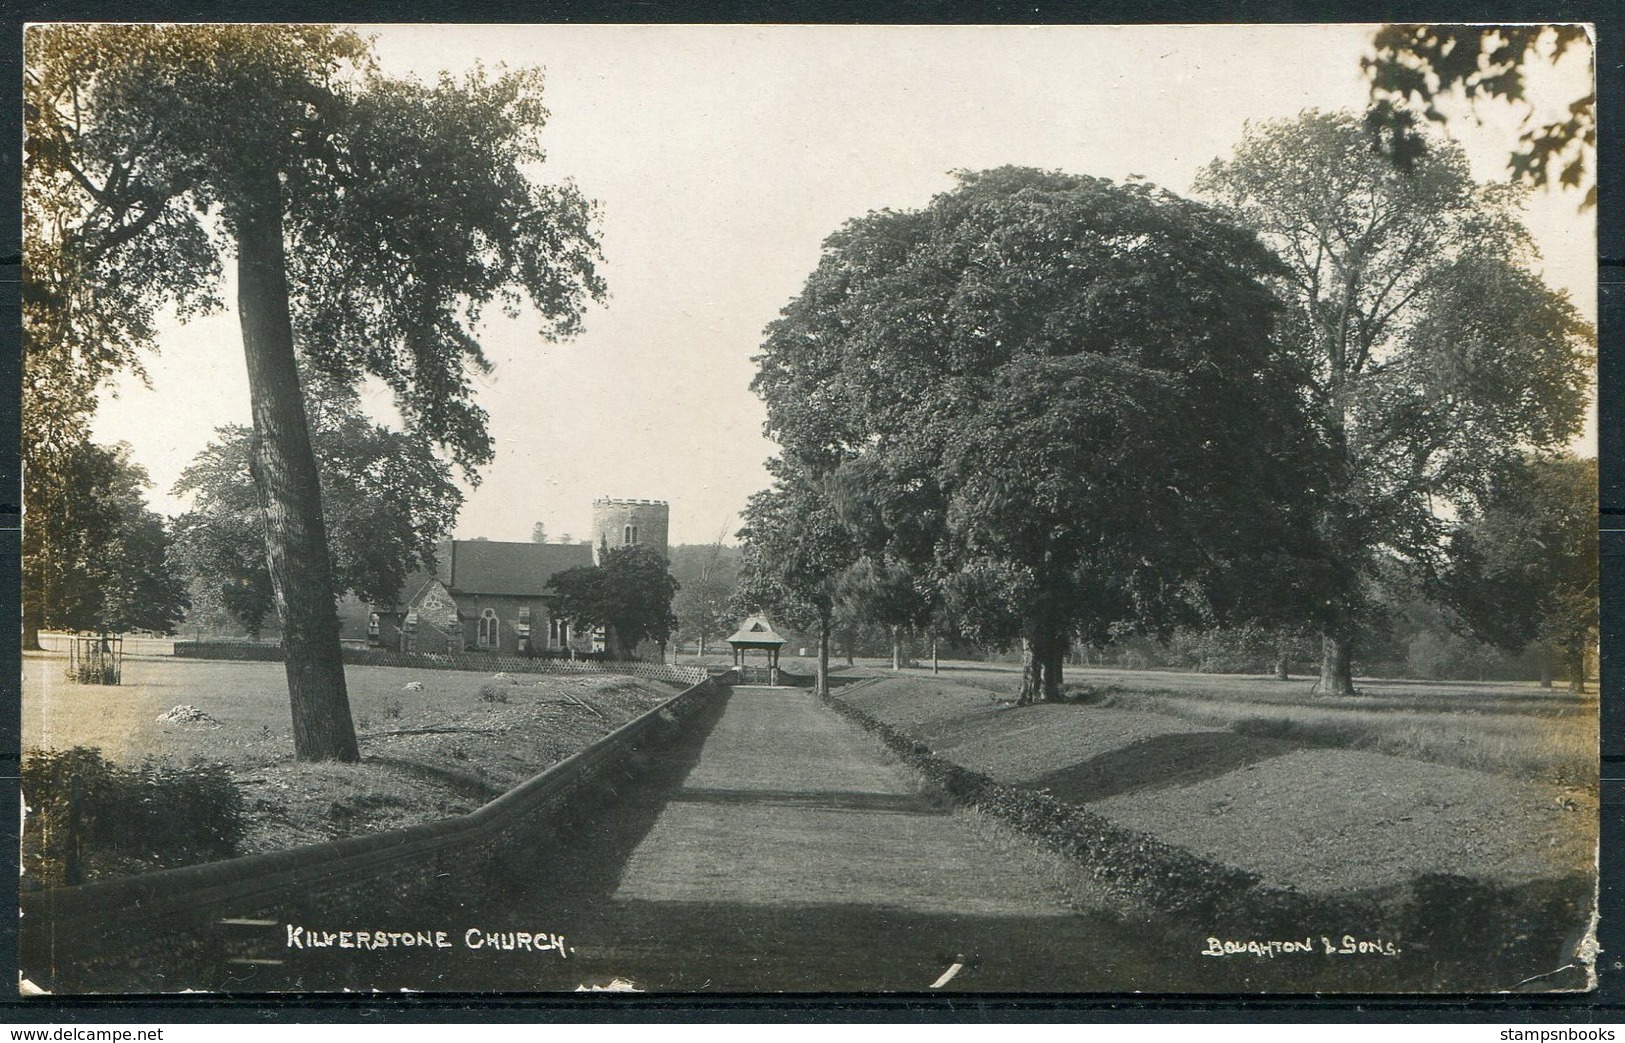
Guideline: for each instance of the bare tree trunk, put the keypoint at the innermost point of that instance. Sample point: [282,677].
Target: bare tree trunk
[1336,665]
[1577,667]
[289,491]
[823,656]
[896,651]
[1054,660]
[1030,682]
[1543,652]
[1282,672]
[934,666]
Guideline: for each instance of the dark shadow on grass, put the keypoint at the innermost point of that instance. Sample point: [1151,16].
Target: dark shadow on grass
[825,800]
[1156,763]
[576,860]
[459,782]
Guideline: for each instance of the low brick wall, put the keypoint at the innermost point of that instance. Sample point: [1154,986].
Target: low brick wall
[477,662]
[105,936]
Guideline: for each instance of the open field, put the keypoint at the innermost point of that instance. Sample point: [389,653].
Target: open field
[1297,793]
[427,753]
[1509,728]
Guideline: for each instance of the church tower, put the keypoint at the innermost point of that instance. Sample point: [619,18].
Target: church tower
[624,523]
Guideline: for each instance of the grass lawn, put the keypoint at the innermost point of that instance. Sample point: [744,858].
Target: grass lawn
[1510,728]
[1497,782]
[427,753]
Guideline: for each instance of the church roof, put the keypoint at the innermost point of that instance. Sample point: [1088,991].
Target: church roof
[488,567]
[756,631]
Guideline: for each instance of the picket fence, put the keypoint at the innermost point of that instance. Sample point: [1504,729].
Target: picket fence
[478,662]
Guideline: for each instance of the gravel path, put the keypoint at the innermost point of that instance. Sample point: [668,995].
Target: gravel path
[790,805]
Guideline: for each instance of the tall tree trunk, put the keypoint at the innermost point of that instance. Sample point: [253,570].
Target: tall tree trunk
[1030,681]
[702,644]
[1282,671]
[824,627]
[1576,655]
[934,665]
[1543,652]
[289,491]
[1336,665]
[1054,660]
[896,650]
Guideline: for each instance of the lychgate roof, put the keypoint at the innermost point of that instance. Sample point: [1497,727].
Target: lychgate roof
[756,631]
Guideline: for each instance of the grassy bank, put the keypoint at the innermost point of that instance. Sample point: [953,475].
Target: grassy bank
[433,743]
[1241,831]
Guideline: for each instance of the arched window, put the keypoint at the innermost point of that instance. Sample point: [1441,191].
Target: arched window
[629,535]
[488,629]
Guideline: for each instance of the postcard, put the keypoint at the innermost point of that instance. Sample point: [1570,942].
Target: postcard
[809,508]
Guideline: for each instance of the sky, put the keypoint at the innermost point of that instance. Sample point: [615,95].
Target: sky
[722,156]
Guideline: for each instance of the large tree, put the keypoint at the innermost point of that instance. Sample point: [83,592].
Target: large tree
[1058,396]
[99,559]
[372,221]
[628,593]
[1523,563]
[707,576]
[1436,354]
[387,501]
[795,552]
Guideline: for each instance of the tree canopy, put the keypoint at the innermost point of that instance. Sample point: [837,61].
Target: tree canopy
[1523,563]
[373,221]
[629,592]
[1421,65]
[98,559]
[707,575]
[795,550]
[1064,392]
[388,500]
[1434,354]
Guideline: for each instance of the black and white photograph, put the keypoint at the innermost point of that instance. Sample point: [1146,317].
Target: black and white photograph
[804,509]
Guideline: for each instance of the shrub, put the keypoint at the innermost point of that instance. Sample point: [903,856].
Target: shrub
[94,671]
[392,710]
[494,691]
[85,809]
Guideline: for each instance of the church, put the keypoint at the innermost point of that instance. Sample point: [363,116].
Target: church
[486,596]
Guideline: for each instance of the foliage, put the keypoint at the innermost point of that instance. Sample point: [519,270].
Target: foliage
[795,551]
[1433,353]
[94,557]
[1523,566]
[1006,389]
[387,500]
[408,204]
[707,577]
[1418,65]
[538,533]
[373,219]
[178,815]
[629,591]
